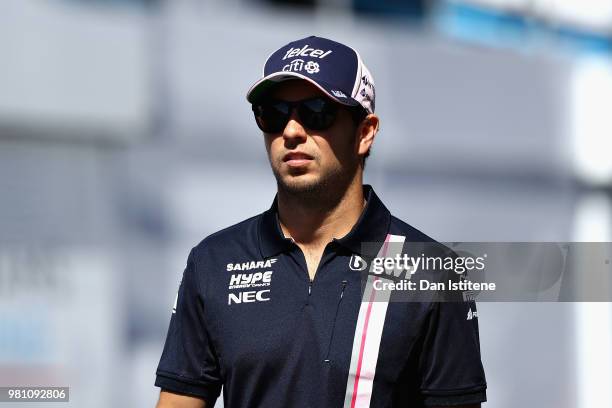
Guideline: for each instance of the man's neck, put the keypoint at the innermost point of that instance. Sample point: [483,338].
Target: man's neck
[315,223]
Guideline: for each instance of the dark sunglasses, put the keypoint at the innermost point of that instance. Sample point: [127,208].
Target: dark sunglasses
[315,113]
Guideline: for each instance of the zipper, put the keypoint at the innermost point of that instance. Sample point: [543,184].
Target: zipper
[319,266]
[309,291]
[310,280]
[331,337]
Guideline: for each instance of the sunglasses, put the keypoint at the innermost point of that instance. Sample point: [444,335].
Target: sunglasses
[315,113]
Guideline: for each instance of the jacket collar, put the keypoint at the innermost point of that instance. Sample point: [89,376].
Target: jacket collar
[372,226]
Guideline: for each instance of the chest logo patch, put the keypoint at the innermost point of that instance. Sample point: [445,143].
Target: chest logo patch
[252,286]
[247,266]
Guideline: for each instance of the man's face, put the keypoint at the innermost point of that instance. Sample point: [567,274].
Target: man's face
[305,160]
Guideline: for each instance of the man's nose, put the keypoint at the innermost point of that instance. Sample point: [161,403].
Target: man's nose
[294,130]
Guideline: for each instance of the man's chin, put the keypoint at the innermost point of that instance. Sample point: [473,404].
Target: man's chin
[303,183]
[311,184]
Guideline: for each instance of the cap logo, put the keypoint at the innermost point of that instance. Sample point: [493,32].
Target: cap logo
[295,65]
[298,65]
[306,52]
[338,94]
[311,67]
[366,81]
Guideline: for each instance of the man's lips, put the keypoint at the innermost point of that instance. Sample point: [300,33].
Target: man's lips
[296,159]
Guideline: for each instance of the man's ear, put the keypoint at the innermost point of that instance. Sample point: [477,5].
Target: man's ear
[366,132]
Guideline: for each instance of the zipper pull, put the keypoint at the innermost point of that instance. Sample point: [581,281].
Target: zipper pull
[344,282]
[309,287]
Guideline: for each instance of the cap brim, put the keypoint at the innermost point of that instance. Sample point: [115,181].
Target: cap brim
[260,88]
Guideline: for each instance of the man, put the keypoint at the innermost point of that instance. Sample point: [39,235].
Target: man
[273,310]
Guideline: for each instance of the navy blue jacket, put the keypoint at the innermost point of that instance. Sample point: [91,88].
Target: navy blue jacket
[249,319]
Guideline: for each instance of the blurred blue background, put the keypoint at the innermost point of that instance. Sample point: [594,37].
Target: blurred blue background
[125,138]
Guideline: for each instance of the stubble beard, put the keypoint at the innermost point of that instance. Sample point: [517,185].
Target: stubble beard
[320,191]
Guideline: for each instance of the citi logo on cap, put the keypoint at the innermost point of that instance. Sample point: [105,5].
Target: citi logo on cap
[297,65]
[306,52]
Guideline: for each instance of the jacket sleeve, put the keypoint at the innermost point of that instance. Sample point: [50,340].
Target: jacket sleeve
[189,364]
[450,366]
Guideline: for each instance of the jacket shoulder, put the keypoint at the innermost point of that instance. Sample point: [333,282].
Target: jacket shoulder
[399,227]
[431,246]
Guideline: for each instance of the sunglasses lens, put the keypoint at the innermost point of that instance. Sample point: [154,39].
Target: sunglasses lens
[315,114]
[272,117]
[318,113]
